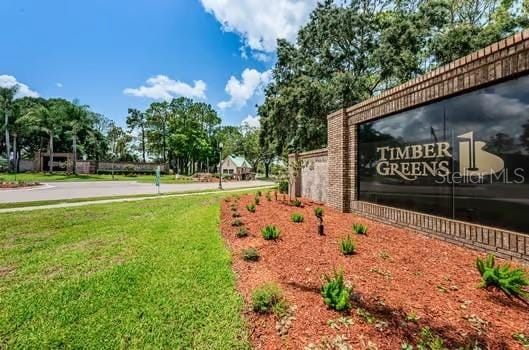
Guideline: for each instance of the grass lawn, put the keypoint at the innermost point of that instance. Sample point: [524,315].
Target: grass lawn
[151,274]
[58,177]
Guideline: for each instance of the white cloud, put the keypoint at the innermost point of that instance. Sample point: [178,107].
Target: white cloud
[59,85]
[162,87]
[8,81]
[251,121]
[261,56]
[241,91]
[260,22]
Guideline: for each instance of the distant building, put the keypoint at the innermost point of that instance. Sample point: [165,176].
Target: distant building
[237,166]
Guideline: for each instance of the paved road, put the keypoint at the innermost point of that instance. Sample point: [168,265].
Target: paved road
[68,190]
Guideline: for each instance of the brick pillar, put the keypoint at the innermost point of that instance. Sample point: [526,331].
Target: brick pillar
[339,158]
[353,164]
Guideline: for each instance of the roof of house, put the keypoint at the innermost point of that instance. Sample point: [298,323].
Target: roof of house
[239,161]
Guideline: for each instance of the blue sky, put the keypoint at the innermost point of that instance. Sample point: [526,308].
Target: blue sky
[103,52]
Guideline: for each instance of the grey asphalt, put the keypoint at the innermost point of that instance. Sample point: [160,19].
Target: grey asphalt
[71,190]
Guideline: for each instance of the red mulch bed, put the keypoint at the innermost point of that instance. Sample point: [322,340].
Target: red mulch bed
[17,184]
[395,272]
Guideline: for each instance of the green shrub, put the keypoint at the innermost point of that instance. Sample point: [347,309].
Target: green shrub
[236,223]
[270,232]
[297,217]
[282,187]
[336,294]
[268,298]
[360,229]
[235,215]
[297,203]
[257,200]
[268,196]
[511,281]
[259,193]
[250,207]
[521,338]
[250,254]
[318,212]
[347,246]
[428,340]
[242,233]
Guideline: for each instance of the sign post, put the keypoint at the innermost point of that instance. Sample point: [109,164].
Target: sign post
[157,180]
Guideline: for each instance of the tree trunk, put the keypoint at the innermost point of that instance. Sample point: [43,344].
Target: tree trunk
[15,154]
[50,152]
[8,145]
[143,143]
[74,151]
[267,169]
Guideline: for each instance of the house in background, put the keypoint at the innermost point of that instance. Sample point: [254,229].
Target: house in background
[238,167]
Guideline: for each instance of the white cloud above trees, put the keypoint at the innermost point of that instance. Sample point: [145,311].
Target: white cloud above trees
[161,87]
[241,90]
[251,121]
[9,81]
[261,23]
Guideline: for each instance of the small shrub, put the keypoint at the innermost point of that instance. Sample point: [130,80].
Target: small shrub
[511,281]
[268,196]
[297,217]
[297,203]
[360,229]
[257,200]
[235,215]
[282,187]
[250,207]
[250,254]
[236,223]
[336,294]
[242,233]
[428,340]
[412,317]
[347,246]
[318,212]
[270,232]
[268,298]
[227,199]
[521,338]
[259,193]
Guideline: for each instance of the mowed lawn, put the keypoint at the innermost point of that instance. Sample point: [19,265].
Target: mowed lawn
[152,274]
[61,177]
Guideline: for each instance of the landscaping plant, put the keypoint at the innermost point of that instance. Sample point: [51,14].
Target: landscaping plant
[259,193]
[336,294]
[347,246]
[250,254]
[268,196]
[297,217]
[242,232]
[318,212]
[268,298]
[511,281]
[270,232]
[257,200]
[360,229]
[250,207]
[235,215]
[236,223]
[297,203]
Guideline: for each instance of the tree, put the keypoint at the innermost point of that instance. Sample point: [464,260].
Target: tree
[136,120]
[79,120]
[7,96]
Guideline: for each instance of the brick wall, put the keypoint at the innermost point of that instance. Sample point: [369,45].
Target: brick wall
[500,61]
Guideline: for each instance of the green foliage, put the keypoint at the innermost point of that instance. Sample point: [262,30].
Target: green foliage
[242,232]
[268,196]
[347,246]
[250,207]
[412,317]
[235,215]
[282,187]
[259,193]
[428,340]
[268,299]
[270,232]
[336,294]
[297,217]
[297,203]
[318,212]
[511,281]
[236,223]
[250,254]
[521,338]
[257,200]
[360,229]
